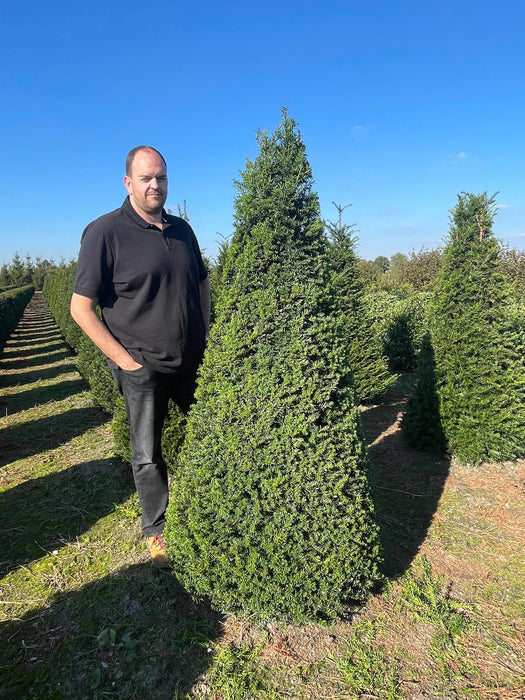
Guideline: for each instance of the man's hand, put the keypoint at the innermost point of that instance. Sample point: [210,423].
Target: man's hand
[84,312]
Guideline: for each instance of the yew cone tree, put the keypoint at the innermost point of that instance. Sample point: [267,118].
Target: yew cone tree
[270,514]
[421,423]
[478,346]
[369,367]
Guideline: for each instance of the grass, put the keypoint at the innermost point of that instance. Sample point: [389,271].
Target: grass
[83,613]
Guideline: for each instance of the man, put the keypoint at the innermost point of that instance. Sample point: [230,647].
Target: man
[143,268]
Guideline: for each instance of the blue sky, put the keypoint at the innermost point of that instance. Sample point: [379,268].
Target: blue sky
[401,105]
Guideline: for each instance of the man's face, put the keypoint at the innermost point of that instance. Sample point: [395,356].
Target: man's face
[148,183]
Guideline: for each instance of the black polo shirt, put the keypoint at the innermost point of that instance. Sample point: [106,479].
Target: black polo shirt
[146,282]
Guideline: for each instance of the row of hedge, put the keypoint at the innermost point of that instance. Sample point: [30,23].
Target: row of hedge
[92,365]
[399,323]
[57,290]
[12,305]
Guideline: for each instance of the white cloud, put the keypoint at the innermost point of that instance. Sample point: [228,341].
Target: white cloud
[460,157]
[503,206]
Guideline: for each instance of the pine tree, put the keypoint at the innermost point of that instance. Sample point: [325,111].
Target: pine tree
[478,346]
[270,513]
[18,271]
[369,367]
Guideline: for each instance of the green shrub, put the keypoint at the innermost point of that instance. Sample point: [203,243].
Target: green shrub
[400,321]
[421,423]
[369,366]
[270,513]
[478,341]
[12,305]
[92,365]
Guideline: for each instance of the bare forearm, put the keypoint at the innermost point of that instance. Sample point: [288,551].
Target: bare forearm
[83,311]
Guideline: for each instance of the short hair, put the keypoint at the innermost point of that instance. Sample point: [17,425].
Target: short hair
[131,156]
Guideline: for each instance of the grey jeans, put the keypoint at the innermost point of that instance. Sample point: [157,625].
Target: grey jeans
[146,393]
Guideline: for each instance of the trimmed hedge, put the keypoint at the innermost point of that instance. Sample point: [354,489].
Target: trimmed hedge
[12,305]
[58,288]
[92,365]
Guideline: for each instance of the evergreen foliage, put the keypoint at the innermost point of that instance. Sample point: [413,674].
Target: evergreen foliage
[369,366]
[421,423]
[400,321]
[12,305]
[58,287]
[479,345]
[215,275]
[399,344]
[270,513]
[18,272]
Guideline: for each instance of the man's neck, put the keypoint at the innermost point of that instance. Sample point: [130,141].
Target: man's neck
[155,219]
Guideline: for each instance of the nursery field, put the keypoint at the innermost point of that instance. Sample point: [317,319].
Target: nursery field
[84,614]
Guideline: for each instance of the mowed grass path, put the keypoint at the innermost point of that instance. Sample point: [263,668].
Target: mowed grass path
[83,613]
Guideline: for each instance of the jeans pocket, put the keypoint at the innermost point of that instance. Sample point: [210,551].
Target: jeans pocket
[134,371]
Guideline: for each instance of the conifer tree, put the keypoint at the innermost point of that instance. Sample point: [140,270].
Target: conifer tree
[421,423]
[479,349]
[270,513]
[369,367]
[18,272]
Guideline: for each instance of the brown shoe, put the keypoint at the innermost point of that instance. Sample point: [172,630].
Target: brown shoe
[157,549]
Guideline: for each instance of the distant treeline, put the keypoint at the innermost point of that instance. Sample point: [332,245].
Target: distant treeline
[415,272]
[419,270]
[20,272]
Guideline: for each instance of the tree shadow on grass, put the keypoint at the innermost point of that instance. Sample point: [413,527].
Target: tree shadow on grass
[134,634]
[31,438]
[13,403]
[406,483]
[40,514]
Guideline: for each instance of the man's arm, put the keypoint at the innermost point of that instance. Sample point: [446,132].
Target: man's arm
[83,311]
[205,293]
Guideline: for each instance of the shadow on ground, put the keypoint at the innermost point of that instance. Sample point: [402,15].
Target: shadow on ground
[34,375]
[31,438]
[153,640]
[43,513]
[43,358]
[406,484]
[38,396]
[45,347]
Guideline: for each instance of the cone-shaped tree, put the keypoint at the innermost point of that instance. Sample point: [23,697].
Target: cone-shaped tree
[421,421]
[479,349]
[270,513]
[369,367]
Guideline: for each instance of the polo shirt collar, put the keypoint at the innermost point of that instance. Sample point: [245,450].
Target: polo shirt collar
[128,209]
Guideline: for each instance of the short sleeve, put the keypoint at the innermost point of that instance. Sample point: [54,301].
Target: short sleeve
[94,265]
